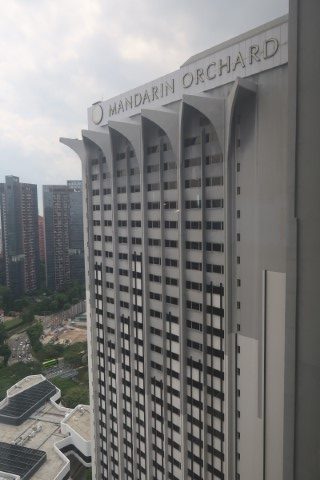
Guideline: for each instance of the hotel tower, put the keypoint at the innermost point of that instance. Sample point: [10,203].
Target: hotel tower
[185,211]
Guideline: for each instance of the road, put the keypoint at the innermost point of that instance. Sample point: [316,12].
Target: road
[61,370]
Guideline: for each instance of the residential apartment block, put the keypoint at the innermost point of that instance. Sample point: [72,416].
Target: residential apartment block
[20,242]
[63,234]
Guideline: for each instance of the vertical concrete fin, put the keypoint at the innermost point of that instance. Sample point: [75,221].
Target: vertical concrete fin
[132,132]
[240,86]
[168,121]
[212,108]
[102,141]
[76,145]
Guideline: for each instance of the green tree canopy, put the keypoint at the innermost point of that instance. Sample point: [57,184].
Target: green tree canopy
[3,334]
[5,352]
[6,298]
[34,332]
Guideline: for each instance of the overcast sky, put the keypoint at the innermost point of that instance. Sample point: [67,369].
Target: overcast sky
[57,57]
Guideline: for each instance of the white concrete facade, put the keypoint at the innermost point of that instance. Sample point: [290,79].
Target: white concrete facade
[185,206]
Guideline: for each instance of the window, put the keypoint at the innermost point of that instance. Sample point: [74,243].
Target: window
[194,325]
[170,224]
[152,149]
[214,225]
[172,300]
[108,223]
[193,225]
[170,185]
[136,241]
[193,204]
[171,281]
[192,183]
[154,278]
[153,205]
[153,168]
[122,189]
[122,223]
[123,239]
[155,348]
[193,245]
[194,266]
[136,223]
[155,260]
[136,206]
[214,181]
[170,205]
[194,286]
[153,186]
[155,313]
[192,162]
[153,223]
[214,247]
[171,262]
[188,142]
[211,159]
[215,268]
[194,306]
[169,165]
[171,243]
[195,345]
[135,188]
[155,242]
[155,296]
[122,206]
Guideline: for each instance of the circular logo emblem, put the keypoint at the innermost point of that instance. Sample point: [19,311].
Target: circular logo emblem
[97,113]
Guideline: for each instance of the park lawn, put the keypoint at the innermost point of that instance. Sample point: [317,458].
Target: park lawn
[13,323]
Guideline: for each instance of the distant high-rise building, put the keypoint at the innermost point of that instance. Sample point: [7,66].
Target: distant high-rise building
[19,219]
[63,234]
[76,247]
[56,219]
[41,238]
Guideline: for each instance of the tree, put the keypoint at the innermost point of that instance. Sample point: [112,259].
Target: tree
[34,332]
[77,394]
[89,474]
[3,334]
[5,352]
[27,315]
[74,353]
[6,298]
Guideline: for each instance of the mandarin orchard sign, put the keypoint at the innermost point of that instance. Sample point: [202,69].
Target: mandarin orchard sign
[261,52]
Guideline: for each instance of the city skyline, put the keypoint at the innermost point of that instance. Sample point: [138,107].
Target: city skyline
[42,95]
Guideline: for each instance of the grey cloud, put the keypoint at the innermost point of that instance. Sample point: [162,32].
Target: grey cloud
[55,62]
